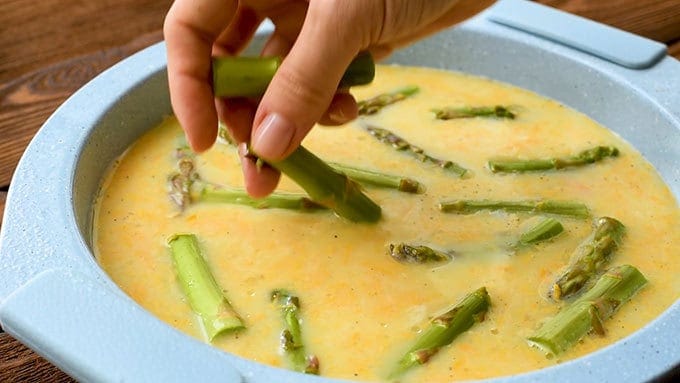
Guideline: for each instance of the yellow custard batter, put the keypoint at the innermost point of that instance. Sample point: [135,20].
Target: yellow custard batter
[360,308]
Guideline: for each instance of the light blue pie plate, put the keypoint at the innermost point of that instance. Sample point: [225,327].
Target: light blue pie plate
[55,299]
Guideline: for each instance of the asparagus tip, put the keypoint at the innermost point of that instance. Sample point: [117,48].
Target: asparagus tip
[587,313]
[589,258]
[406,253]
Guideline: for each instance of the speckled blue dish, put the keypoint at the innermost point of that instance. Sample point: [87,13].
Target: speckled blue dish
[55,298]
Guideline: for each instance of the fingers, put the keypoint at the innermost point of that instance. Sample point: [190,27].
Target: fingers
[237,114]
[190,29]
[239,32]
[264,177]
[305,84]
[457,12]
[288,20]
[343,109]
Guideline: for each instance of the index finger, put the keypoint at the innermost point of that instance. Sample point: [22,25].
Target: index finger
[190,29]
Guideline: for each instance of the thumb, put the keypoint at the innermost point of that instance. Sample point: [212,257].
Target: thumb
[306,82]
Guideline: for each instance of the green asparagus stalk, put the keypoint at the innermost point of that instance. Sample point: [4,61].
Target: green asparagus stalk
[585,157]
[276,200]
[291,337]
[497,111]
[405,253]
[387,137]
[590,258]
[187,188]
[250,76]
[586,314]
[375,104]
[369,177]
[444,329]
[199,285]
[566,208]
[328,187]
[545,229]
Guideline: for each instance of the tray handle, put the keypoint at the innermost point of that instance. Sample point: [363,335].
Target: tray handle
[611,44]
[96,335]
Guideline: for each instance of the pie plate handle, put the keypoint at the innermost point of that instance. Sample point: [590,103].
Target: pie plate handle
[608,43]
[97,335]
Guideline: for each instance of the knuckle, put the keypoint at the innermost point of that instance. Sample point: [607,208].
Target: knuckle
[303,89]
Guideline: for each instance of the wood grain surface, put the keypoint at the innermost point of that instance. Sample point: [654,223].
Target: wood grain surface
[50,48]
[656,19]
[20,364]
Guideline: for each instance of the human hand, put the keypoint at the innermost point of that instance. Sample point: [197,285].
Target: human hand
[319,38]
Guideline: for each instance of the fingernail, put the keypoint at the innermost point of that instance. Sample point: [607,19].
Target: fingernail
[337,116]
[272,138]
[242,151]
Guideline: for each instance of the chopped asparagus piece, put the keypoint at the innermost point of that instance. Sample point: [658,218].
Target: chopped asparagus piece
[375,104]
[361,71]
[497,111]
[181,182]
[614,288]
[567,208]
[444,329]
[204,295]
[328,186]
[369,177]
[276,200]
[416,254]
[387,137]
[291,336]
[187,188]
[545,229]
[243,76]
[590,258]
[362,176]
[250,76]
[588,156]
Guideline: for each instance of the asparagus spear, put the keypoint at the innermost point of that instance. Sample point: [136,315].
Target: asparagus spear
[250,76]
[362,176]
[399,143]
[375,104]
[589,258]
[614,288]
[368,177]
[444,329]
[291,337]
[545,229]
[405,253]
[276,200]
[328,187]
[498,111]
[186,188]
[567,208]
[200,287]
[588,156]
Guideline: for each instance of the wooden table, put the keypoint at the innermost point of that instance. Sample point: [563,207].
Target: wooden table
[50,48]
